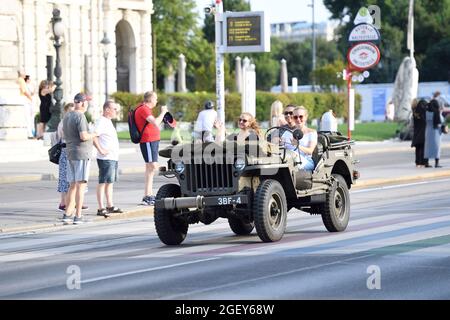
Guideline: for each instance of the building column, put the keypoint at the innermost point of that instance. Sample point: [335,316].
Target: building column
[29,44]
[146,52]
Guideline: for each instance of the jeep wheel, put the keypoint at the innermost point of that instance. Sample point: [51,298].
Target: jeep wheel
[336,210]
[239,227]
[170,229]
[270,211]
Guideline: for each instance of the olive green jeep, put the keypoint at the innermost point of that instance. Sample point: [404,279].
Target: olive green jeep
[253,185]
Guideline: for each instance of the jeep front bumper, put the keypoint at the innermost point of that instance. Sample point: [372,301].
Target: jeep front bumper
[200,202]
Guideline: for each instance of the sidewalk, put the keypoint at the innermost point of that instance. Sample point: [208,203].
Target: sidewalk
[376,168]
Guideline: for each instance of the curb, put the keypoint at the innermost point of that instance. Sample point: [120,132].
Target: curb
[135,213]
[381,182]
[391,150]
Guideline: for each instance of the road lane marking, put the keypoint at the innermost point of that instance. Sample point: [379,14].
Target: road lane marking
[280,274]
[123,274]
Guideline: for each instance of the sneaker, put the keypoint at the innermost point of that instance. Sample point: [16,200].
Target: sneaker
[78,220]
[148,200]
[103,212]
[62,208]
[114,210]
[66,218]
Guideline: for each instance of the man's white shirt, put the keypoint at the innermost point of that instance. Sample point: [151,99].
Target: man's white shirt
[205,120]
[107,139]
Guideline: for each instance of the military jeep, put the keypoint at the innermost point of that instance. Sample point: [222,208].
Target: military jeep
[253,185]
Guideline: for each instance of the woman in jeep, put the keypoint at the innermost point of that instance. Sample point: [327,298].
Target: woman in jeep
[308,143]
[249,129]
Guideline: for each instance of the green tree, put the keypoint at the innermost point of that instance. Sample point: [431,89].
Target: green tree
[431,25]
[328,76]
[175,29]
[299,57]
[228,5]
[436,57]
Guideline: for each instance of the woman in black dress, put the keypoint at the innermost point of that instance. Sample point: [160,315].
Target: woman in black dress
[46,89]
[418,139]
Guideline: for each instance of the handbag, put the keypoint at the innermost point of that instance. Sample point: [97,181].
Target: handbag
[54,153]
[444,129]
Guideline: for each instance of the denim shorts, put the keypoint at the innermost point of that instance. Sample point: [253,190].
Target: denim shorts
[107,171]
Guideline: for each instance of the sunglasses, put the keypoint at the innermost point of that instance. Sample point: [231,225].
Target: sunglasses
[298,117]
[288,113]
[243,120]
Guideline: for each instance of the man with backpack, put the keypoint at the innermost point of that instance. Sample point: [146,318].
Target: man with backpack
[148,127]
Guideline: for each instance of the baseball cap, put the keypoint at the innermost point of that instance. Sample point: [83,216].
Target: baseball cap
[81,97]
[209,104]
[168,119]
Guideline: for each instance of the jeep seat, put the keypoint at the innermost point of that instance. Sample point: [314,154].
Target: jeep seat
[323,142]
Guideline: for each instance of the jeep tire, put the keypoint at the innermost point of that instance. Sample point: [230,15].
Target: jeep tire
[240,227]
[336,210]
[170,229]
[270,211]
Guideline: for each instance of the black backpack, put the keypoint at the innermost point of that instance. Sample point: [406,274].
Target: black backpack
[135,134]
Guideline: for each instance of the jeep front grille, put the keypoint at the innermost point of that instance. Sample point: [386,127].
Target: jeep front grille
[209,178]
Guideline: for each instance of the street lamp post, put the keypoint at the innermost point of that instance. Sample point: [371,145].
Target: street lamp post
[58,32]
[105,42]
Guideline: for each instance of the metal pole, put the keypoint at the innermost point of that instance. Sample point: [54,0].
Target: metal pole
[220,69]
[349,87]
[313,47]
[58,93]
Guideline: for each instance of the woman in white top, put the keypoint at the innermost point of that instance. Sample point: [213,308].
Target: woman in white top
[276,114]
[308,143]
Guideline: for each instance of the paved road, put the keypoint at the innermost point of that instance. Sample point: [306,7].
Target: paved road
[398,240]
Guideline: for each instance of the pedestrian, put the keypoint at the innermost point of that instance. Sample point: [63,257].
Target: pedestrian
[27,100]
[419,124]
[63,183]
[434,120]
[79,152]
[276,114]
[389,113]
[206,121]
[46,89]
[107,145]
[149,143]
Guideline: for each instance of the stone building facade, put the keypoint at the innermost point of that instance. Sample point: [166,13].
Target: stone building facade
[26,43]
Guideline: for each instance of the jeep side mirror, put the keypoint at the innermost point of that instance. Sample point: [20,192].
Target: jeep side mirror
[298,134]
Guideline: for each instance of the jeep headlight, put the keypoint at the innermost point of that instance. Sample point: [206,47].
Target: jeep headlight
[239,164]
[179,167]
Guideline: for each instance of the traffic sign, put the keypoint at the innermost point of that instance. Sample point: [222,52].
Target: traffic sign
[363,56]
[364,32]
[245,32]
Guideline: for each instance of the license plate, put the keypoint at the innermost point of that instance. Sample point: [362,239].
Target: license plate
[224,201]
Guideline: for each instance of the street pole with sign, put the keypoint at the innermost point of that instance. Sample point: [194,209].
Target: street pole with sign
[362,55]
[220,68]
[236,32]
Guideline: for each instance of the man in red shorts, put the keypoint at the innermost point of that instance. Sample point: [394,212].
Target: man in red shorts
[149,140]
